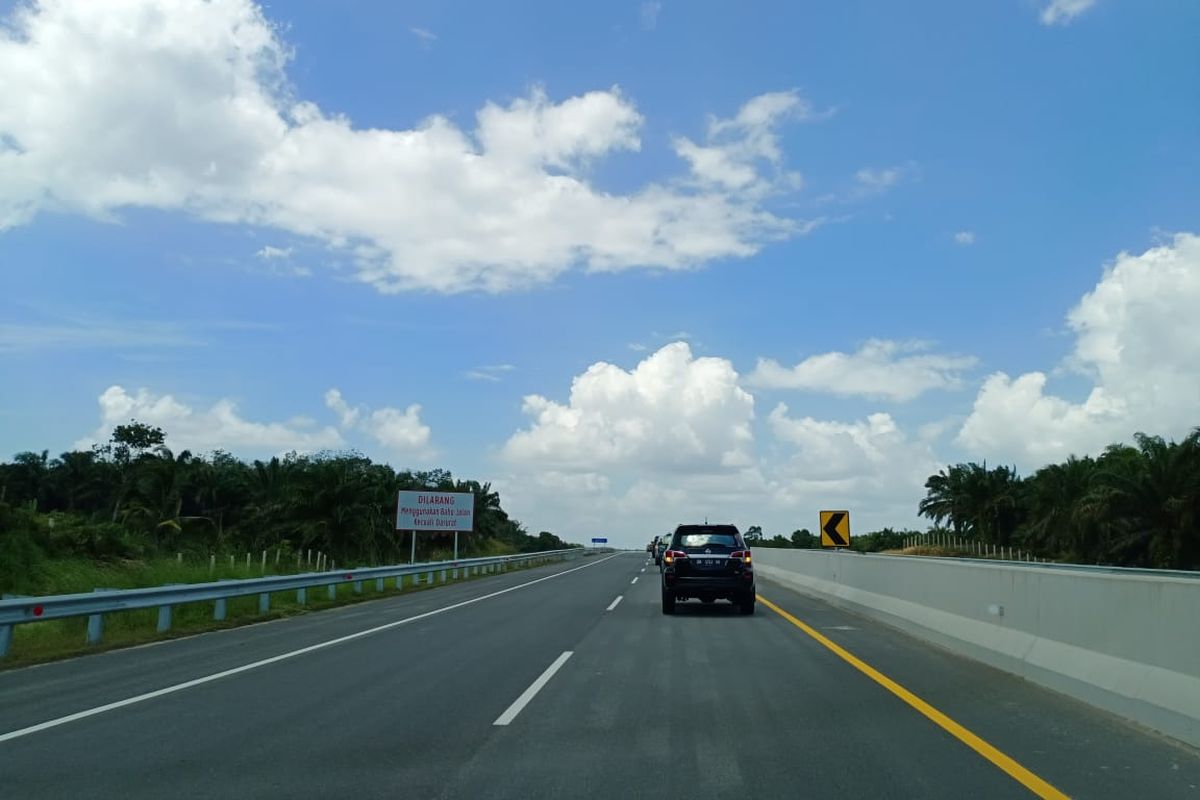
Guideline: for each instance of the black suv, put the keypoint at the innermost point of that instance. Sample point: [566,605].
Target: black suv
[707,562]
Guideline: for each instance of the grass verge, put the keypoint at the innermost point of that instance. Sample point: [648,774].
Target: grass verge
[39,642]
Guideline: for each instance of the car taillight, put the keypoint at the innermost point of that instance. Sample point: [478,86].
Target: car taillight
[671,555]
[741,555]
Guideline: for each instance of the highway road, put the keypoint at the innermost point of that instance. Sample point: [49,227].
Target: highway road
[542,684]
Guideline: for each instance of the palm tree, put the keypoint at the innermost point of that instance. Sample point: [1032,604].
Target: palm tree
[1054,499]
[1149,496]
[161,480]
[945,498]
[26,478]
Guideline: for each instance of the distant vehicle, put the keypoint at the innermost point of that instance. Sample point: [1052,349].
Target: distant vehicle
[707,562]
[661,544]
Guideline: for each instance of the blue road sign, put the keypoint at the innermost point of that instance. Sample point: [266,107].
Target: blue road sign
[596,540]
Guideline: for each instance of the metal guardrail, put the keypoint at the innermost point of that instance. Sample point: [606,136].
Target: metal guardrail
[22,610]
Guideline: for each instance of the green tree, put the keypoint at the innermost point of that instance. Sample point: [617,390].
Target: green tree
[804,539]
[945,498]
[1055,498]
[1145,499]
[25,479]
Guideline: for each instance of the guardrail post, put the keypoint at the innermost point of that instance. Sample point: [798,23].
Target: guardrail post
[333,591]
[164,618]
[429,578]
[443,576]
[379,585]
[95,624]
[358,587]
[416,581]
[301,596]
[264,602]
[219,609]
[6,631]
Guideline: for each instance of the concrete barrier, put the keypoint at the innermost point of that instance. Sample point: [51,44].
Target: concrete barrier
[1127,643]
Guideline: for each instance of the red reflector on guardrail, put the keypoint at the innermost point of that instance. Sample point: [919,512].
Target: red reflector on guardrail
[348,576]
[37,611]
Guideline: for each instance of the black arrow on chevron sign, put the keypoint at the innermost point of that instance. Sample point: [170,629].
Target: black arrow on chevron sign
[831,528]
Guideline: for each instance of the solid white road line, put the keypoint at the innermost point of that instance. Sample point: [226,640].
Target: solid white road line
[511,713]
[613,604]
[179,687]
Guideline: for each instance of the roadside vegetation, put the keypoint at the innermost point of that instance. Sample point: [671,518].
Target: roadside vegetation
[804,539]
[60,638]
[1133,506]
[132,512]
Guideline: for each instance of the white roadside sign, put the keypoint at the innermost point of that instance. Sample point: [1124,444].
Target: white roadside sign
[435,511]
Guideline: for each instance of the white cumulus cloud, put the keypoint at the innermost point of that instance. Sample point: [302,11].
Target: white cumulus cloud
[184,105]
[1137,337]
[871,465]
[897,371]
[870,181]
[1063,12]
[269,252]
[672,412]
[964,237]
[635,452]
[400,432]
[731,157]
[220,426]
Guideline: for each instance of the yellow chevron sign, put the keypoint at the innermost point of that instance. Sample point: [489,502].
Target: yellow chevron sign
[835,529]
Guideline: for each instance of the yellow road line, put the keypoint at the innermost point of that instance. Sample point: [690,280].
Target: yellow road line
[1014,770]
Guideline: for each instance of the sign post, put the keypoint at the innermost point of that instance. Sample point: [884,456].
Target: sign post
[835,529]
[435,511]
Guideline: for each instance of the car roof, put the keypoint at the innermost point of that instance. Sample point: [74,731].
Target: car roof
[724,530]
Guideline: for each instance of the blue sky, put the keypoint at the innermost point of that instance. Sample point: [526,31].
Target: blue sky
[948,231]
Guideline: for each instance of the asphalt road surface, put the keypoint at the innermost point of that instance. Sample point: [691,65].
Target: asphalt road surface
[541,684]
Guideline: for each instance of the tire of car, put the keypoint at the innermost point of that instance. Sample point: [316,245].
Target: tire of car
[746,606]
[668,602]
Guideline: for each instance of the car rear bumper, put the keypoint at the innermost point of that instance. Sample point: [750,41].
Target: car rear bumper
[716,586]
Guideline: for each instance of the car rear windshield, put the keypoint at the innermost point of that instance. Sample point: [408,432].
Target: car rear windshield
[704,536]
[707,539]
